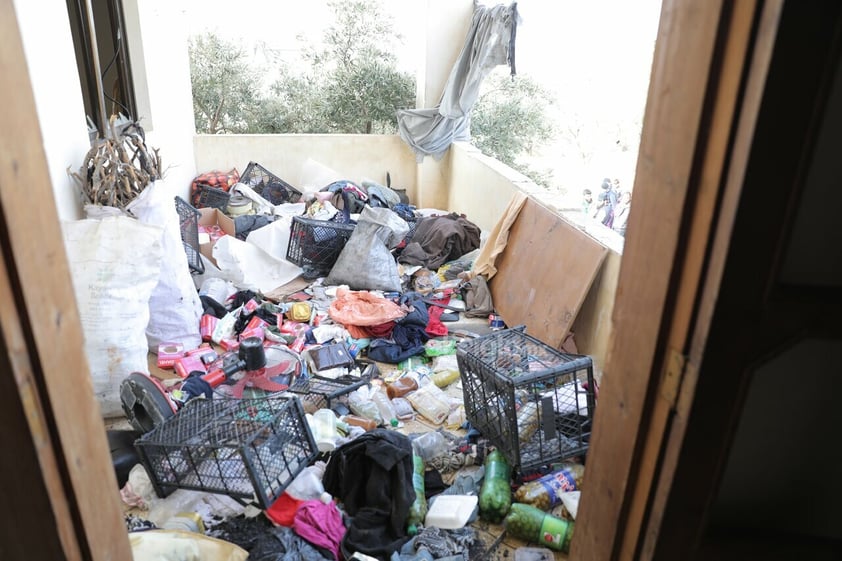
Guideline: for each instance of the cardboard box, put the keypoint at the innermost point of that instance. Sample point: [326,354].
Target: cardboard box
[208,218]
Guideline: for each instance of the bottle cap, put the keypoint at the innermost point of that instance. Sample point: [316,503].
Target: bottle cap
[393,422]
[326,498]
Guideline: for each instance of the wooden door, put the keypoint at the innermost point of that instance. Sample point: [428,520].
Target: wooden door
[737,95]
[59,491]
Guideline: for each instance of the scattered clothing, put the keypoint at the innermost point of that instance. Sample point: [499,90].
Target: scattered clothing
[372,477]
[321,525]
[408,335]
[477,297]
[282,511]
[439,239]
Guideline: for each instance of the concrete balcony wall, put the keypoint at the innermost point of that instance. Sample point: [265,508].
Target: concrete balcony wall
[355,157]
[481,188]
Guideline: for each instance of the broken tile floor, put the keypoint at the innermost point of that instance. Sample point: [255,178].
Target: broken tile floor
[494,543]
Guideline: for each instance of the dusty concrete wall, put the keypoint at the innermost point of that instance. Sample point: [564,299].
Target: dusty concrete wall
[481,187]
[164,89]
[446,24]
[356,157]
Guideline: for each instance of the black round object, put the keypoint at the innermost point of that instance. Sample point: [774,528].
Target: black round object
[145,402]
[124,455]
[251,352]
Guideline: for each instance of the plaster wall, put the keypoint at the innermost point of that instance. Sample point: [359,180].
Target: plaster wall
[58,97]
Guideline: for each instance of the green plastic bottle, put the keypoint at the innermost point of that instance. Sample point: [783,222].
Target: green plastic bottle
[534,525]
[495,495]
[418,510]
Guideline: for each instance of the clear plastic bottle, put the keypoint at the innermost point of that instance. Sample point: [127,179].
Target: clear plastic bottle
[385,407]
[527,421]
[430,445]
[324,429]
[361,404]
[308,486]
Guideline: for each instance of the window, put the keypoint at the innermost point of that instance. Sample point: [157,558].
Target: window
[103,61]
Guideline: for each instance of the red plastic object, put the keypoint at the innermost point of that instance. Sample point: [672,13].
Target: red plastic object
[282,511]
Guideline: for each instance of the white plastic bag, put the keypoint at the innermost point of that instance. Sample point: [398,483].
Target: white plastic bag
[115,263]
[251,268]
[273,238]
[175,309]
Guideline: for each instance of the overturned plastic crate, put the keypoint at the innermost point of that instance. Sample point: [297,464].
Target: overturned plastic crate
[268,185]
[243,448]
[315,245]
[188,223]
[318,392]
[212,197]
[534,403]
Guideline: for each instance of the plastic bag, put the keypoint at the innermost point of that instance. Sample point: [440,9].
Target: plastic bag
[115,264]
[363,308]
[366,261]
[174,306]
[177,545]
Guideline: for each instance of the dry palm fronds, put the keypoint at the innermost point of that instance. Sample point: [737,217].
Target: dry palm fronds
[116,169]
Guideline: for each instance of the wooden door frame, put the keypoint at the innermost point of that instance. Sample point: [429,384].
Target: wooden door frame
[59,487]
[698,264]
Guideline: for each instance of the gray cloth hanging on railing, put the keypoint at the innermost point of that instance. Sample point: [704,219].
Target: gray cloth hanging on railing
[490,42]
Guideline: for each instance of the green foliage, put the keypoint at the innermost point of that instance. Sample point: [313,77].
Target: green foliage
[511,118]
[353,85]
[222,93]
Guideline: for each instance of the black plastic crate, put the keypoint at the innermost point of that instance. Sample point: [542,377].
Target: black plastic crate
[319,392]
[246,448]
[268,185]
[188,223]
[213,197]
[527,398]
[315,245]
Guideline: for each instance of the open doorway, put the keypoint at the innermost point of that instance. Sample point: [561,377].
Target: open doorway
[652,366]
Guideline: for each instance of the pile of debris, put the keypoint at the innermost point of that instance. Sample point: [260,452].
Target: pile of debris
[315,390]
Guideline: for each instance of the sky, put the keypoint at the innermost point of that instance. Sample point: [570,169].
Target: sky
[595,55]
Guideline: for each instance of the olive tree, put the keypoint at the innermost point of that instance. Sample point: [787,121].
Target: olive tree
[353,84]
[223,95]
[512,118]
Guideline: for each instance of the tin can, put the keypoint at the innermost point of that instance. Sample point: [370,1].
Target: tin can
[495,322]
[206,326]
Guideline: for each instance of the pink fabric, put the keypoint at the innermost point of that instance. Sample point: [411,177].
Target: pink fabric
[320,524]
[363,309]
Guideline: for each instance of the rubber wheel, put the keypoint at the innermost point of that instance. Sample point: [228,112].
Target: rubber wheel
[145,402]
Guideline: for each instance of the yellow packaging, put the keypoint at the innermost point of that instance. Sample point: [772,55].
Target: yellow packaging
[445,378]
[299,311]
